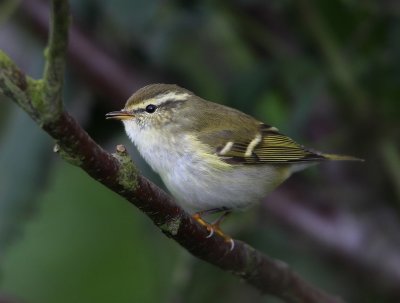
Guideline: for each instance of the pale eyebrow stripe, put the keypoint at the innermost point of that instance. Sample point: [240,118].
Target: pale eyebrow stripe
[171,96]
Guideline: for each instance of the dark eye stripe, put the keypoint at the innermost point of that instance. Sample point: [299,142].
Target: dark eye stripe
[166,104]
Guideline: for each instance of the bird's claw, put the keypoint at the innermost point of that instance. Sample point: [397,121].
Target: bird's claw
[214,229]
[211,229]
[232,243]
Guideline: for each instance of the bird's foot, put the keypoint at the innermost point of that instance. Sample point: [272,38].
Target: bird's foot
[214,228]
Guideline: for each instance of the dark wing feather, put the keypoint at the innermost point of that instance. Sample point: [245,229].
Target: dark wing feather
[230,134]
[271,147]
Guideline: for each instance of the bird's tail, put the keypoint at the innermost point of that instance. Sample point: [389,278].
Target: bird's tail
[341,157]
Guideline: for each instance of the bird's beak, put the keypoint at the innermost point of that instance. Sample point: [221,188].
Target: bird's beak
[119,115]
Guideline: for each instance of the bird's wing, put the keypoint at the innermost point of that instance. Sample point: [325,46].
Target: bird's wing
[266,146]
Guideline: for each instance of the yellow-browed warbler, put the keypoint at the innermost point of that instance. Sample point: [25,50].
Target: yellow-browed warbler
[211,157]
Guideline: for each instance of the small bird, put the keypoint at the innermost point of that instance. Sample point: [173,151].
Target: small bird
[212,158]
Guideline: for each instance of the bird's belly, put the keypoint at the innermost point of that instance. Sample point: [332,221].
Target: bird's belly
[200,188]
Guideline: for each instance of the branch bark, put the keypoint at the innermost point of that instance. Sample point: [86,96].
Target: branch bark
[42,100]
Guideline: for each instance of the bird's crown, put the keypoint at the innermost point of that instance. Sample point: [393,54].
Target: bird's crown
[157,94]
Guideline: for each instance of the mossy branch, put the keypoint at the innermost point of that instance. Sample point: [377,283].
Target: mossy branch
[117,172]
[51,102]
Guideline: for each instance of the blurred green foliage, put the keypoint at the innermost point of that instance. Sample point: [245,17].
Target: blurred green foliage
[71,256]
[324,72]
[19,204]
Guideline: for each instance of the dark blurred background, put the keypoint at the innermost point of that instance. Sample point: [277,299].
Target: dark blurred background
[327,73]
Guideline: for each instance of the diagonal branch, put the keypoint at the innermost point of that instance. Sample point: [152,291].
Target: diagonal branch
[118,173]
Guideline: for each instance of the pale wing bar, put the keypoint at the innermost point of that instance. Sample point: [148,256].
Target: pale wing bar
[273,148]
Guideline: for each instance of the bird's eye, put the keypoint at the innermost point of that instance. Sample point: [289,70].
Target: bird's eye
[151,108]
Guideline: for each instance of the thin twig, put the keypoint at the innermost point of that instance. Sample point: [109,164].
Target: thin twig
[110,77]
[53,74]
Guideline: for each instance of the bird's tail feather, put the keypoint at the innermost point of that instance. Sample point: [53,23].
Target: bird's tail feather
[341,157]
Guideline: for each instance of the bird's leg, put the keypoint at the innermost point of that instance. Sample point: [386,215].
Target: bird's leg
[214,227]
[218,222]
[198,216]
